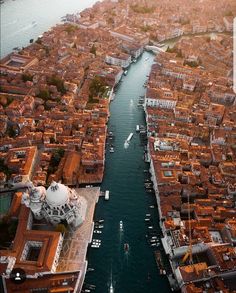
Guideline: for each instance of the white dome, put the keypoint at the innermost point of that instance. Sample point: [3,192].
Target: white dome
[57,194]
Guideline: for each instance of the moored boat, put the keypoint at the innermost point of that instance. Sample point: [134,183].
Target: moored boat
[111,150]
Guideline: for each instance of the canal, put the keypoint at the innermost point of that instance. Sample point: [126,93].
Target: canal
[135,271]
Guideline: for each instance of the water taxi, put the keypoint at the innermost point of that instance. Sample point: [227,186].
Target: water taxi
[97,232]
[129,137]
[111,150]
[90,269]
[107,195]
[95,245]
[111,288]
[126,247]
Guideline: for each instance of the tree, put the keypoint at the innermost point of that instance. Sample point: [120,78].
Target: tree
[97,87]
[58,82]
[44,94]
[70,28]
[27,77]
[93,50]
[61,228]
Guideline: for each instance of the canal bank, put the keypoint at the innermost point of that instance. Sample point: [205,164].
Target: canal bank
[135,270]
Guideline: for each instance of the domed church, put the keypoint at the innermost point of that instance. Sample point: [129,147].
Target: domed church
[56,204]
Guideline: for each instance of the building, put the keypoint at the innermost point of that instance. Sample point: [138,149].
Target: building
[162,98]
[56,204]
[119,59]
[52,260]
[21,162]
[16,63]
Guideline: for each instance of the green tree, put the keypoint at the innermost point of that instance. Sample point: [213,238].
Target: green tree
[44,94]
[27,77]
[93,50]
[58,82]
[97,87]
[61,228]
[70,28]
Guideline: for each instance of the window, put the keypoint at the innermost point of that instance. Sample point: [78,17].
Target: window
[168,173]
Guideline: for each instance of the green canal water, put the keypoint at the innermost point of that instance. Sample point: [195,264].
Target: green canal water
[135,271]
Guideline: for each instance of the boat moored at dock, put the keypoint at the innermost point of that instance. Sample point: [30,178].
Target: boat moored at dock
[107,195]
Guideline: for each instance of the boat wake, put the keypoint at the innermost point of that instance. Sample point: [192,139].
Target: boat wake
[27,27]
[131,103]
[126,145]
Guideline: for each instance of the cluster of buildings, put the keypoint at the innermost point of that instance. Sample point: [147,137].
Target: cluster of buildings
[157,20]
[54,109]
[54,229]
[54,103]
[191,118]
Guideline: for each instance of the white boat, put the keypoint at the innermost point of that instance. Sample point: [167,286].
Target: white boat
[155,244]
[129,138]
[97,232]
[126,247]
[95,246]
[90,269]
[154,241]
[121,225]
[111,150]
[125,72]
[99,226]
[111,288]
[137,128]
[148,215]
[107,195]
[97,240]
